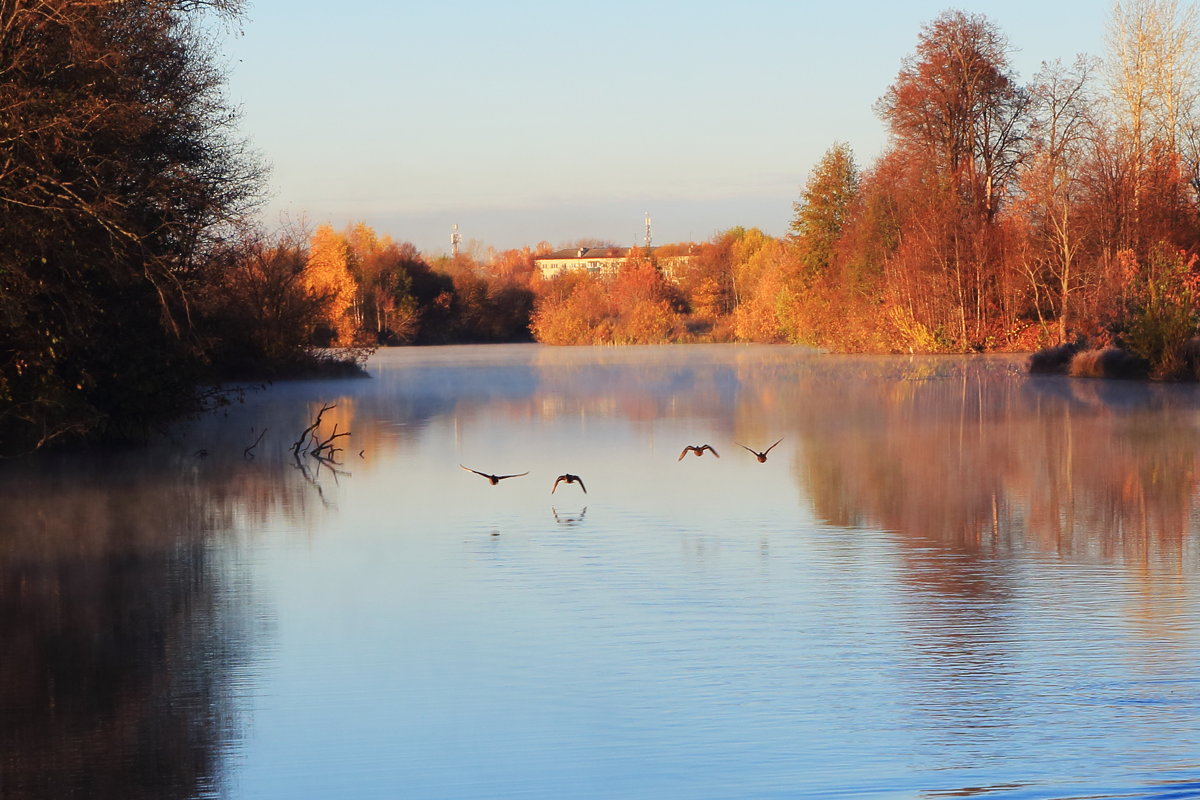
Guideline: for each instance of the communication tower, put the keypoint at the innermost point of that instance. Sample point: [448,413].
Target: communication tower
[455,239]
[648,230]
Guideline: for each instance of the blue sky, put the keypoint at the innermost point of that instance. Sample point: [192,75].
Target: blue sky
[529,121]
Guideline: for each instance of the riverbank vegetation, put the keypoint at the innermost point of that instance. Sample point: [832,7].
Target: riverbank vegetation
[121,176]
[132,283]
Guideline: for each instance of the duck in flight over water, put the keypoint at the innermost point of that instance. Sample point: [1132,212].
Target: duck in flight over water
[494,479]
[699,451]
[762,457]
[569,478]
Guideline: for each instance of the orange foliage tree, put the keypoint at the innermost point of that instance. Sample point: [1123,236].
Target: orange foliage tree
[635,306]
[642,303]
[327,274]
[385,307]
[571,308]
[957,115]
[765,272]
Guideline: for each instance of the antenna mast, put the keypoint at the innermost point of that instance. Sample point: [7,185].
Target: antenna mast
[648,230]
[455,238]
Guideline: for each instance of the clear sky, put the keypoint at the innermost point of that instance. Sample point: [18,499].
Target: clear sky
[528,121]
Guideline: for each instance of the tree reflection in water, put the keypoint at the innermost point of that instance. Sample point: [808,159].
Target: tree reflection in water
[127,631]
[968,455]
[121,637]
[974,469]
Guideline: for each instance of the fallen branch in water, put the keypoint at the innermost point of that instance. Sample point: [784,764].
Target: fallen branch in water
[309,430]
[248,453]
[325,450]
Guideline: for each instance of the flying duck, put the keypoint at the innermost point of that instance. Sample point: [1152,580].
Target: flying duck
[494,479]
[699,451]
[569,478]
[762,457]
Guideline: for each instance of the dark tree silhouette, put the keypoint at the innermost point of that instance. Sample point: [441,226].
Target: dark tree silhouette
[119,170]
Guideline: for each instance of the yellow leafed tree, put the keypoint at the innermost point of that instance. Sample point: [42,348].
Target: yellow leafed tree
[327,274]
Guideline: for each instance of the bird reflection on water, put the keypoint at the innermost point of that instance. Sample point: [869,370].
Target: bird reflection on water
[568,517]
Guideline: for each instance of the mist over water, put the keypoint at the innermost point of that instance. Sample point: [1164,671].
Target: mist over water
[949,579]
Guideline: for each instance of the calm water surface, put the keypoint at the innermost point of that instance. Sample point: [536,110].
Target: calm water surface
[948,580]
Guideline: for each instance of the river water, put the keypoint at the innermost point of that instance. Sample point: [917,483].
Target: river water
[948,579]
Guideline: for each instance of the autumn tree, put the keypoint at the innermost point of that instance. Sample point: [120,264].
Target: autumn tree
[392,310]
[571,309]
[957,102]
[1153,81]
[1053,254]
[958,116]
[644,305]
[635,306]
[747,247]
[362,243]
[872,231]
[385,309]
[261,313]
[822,211]
[763,268]
[1153,46]
[120,170]
[706,278]
[327,275]
[513,266]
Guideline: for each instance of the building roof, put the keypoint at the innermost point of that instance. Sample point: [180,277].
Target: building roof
[586,253]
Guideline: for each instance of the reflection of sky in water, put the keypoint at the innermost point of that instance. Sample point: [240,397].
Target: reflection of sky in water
[946,576]
[700,632]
